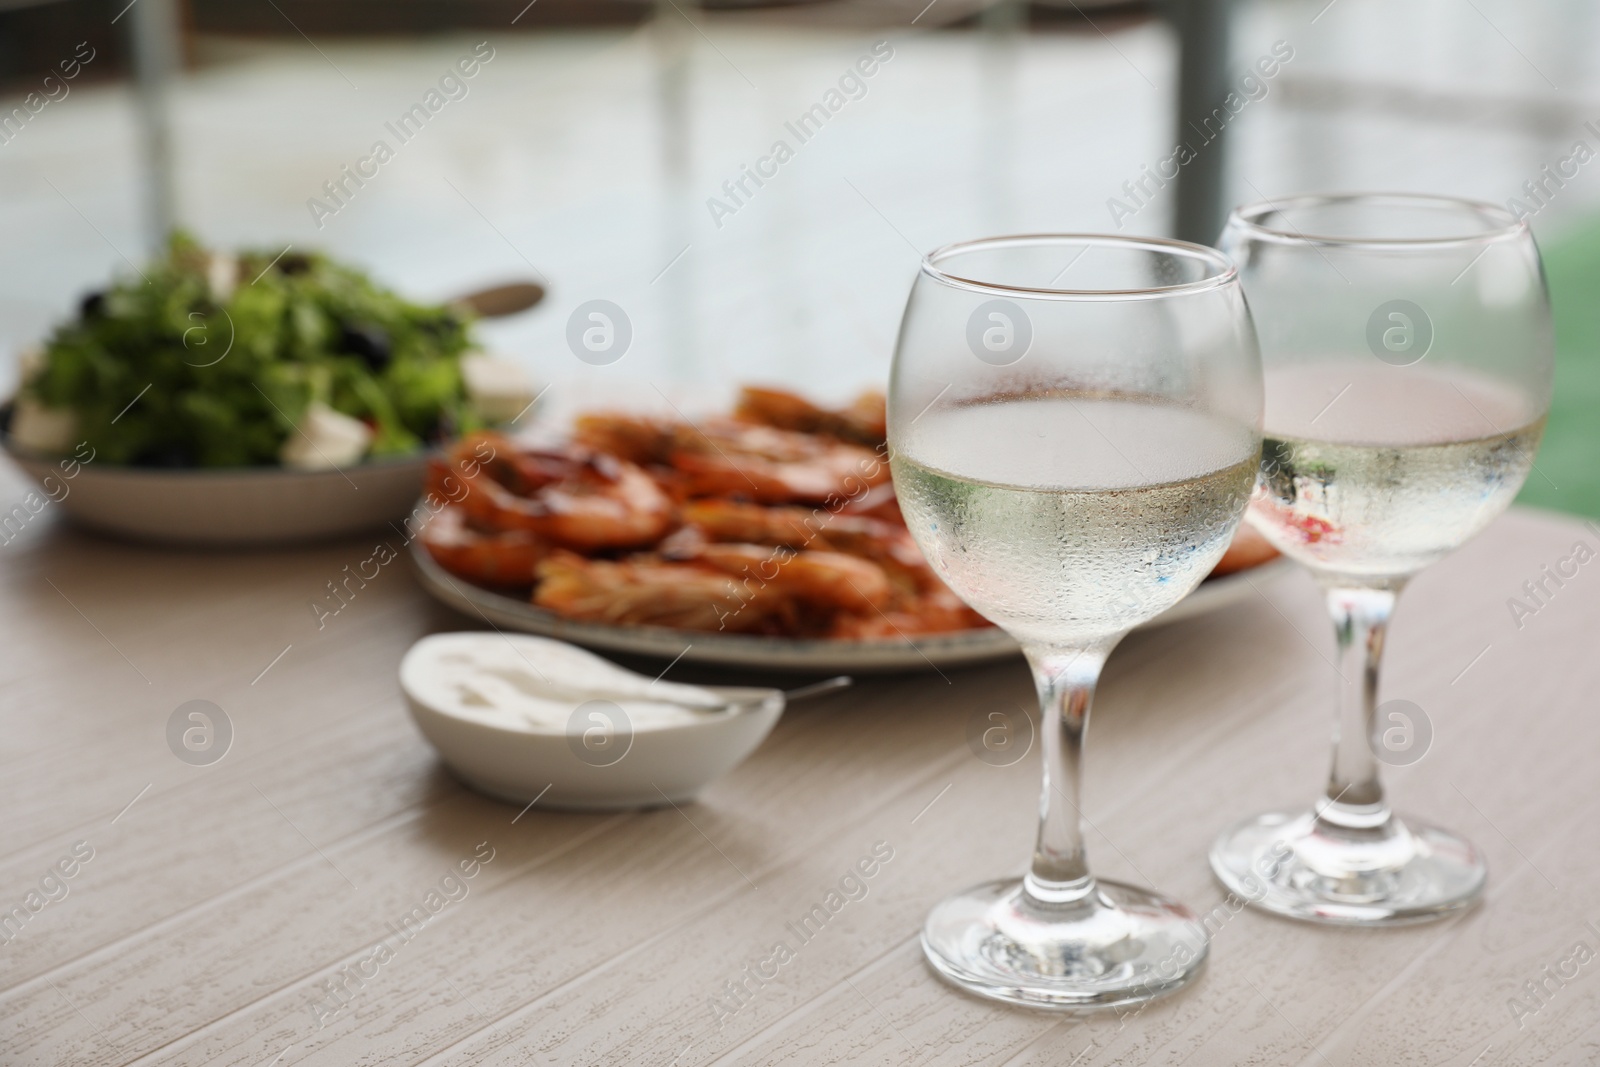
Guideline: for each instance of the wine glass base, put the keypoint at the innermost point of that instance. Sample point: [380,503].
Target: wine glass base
[1120,945]
[1288,864]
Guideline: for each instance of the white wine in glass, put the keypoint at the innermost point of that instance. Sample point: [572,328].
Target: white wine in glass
[1397,472]
[1037,518]
[1074,434]
[1408,359]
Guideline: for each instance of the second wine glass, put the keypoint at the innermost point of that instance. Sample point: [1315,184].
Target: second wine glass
[1409,356]
[1074,426]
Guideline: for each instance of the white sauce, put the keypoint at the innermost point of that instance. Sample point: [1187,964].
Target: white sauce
[522,682]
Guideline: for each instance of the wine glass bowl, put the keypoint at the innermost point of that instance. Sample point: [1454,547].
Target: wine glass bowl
[1074,435]
[1408,357]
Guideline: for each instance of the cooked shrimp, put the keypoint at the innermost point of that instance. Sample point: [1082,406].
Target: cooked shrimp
[879,502]
[819,579]
[919,601]
[653,592]
[498,559]
[606,503]
[728,458]
[779,521]
[635,438]
[738,521]
[575,498]
[1248,549]
[733,588]
[861,422]
[868,416]
[798,527]
[772,466]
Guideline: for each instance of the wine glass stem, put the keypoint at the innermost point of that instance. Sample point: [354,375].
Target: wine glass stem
[1065,679]
[1354,799]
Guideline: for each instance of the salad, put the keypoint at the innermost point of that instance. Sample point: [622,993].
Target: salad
[215,360]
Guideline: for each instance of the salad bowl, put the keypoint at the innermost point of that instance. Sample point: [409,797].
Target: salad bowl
[286,398]
[240,507]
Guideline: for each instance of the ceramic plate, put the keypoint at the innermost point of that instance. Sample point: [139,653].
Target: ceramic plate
[220,507]
[932,651]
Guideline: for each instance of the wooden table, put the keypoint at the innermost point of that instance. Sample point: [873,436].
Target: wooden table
[223,904]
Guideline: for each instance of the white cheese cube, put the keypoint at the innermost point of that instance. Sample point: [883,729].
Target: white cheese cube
[222,275]
[324,440]
[41,429]
[500,389]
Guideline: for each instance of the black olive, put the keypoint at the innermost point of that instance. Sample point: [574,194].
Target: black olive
[368,342]
[93,305]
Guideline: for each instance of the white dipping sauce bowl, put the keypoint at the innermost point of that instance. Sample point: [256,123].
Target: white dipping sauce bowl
[660,764]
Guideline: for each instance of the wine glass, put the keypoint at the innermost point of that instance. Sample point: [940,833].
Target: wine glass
[1408,353]
[1074,425]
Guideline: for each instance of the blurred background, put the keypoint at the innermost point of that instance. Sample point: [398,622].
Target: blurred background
[604,148]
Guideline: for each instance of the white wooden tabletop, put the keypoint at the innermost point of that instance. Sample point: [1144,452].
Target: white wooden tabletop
[254,910]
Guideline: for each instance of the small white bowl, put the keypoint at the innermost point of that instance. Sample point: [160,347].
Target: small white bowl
[223,507]
[657,764]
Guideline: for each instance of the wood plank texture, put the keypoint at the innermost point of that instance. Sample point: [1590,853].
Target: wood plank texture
[224,903]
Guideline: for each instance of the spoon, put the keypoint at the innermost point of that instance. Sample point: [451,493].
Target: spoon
[497,301]
[843,681]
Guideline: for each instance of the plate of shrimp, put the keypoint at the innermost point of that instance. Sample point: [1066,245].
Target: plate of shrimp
[766,537]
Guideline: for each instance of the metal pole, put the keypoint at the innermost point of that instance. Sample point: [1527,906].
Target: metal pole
[155,59]
[673,34]
[1003,23]
[1204,29]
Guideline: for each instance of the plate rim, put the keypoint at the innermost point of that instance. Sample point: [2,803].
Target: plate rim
[961,648]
